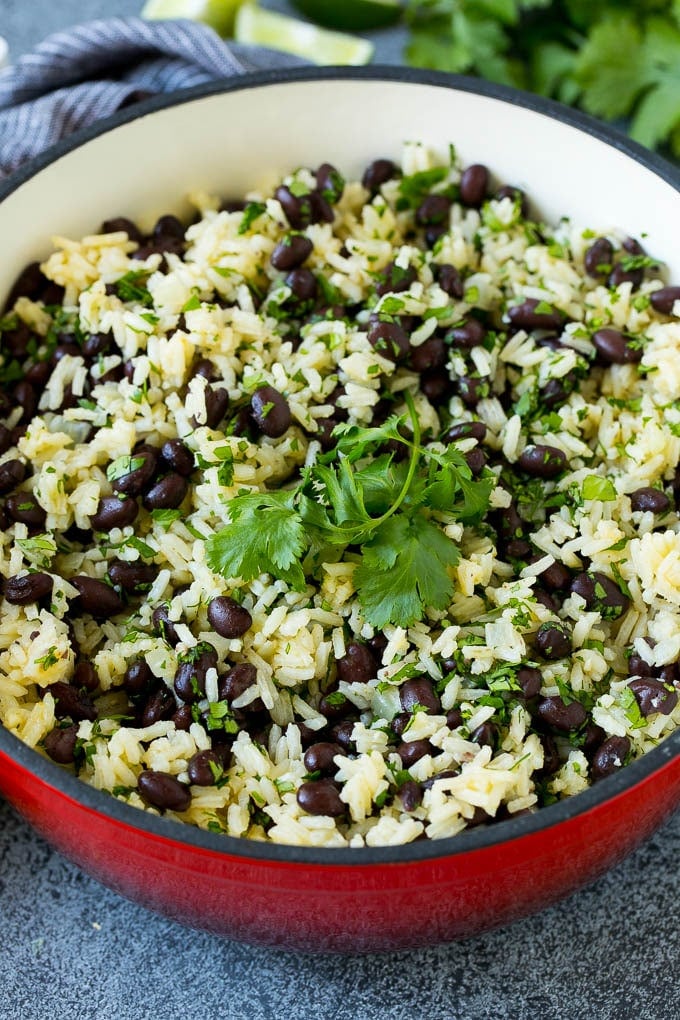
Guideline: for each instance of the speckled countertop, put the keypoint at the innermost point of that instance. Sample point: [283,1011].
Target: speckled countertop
[72,950]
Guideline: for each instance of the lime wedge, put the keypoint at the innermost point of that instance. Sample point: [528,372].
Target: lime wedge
[279,32]
[351,15]
[219,14]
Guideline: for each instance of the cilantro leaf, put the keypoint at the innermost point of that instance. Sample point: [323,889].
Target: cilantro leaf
[266,536]
[404,571]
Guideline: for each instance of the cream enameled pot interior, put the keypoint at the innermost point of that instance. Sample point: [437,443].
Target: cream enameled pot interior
[228,142]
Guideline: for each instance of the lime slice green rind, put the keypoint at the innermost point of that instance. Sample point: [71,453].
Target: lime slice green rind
[261,27]
[351,15]
[219,14]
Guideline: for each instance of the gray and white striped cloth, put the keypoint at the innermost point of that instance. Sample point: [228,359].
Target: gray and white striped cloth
[87,72]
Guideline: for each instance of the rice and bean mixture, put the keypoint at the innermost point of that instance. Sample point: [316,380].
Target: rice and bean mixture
[346,514]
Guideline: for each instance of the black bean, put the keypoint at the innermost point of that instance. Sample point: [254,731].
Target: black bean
[132,577]
[400,722]
[541,461]
[649,498]
[620,275]
[216,404]
[411,751]
[638,667]
[551,756]
[433,210]
[419,691]
[291,251]
[321,797]
[556,577]
[12,473]
[140,470]
[164,626]
[614,348]
[5,437]
[465,430]
[609,757]
[556,391]
[85,676]
[472,389]
[236,681]
[22,591]
[476,461]
[183,718]
[599,258]
[303,285]
[114,375]
[72,703]
[95,597]
[160,705]
[653,696]
[663,300]
[297,208]
[601,594]
[668,674]
[427,784]
[29,283]
[163,791]
[228,618]
[377,173]
[38,374]
[357,665]
[431,354]
[530,681]
[114,512]
[166,494]
[334,705]
[26,397]
[96,344]
[544,598]
[411,795]
[138,678]
[468,335]
[394,279]
[553,640]
[23,508]
[60,744]
[177,456]
[516,194]
[207,369]
[342,735]
[329,183]
[474,183]
[485,735]
[593,735]
[534,314]
[449,280]
[205,768]
[389,339]
[454,718]
[319,757]
[168,235]
[122,224]
[191,672]
[270,411]
[437,386]
[562,716]
[63,350]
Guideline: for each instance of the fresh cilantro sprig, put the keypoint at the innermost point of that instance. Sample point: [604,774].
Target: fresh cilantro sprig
[359,499]
[614,58]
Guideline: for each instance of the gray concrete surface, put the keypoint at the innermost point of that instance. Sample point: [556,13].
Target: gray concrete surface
[72,950]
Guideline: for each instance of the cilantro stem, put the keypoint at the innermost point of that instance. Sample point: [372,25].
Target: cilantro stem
[416,450]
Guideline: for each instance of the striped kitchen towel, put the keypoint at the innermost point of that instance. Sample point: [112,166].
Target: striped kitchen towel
[87,72]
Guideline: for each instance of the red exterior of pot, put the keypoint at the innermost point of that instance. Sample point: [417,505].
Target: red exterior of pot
[356,907]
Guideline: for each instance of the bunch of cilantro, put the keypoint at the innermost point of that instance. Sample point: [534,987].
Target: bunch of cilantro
[362,502]
[613,58]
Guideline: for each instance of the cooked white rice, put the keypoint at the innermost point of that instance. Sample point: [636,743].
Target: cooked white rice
[619,425]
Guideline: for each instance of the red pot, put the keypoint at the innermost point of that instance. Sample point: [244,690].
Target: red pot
[345,900]
[367,899]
